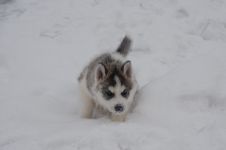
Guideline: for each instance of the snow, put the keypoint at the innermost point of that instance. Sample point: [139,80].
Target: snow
[178,57]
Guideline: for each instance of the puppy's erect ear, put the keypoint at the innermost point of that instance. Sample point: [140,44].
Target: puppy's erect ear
[100,72]
[127,69]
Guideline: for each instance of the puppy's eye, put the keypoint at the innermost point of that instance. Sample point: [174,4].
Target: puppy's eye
[125,93]
[108,94]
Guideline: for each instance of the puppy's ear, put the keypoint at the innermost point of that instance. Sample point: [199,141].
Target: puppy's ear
[127,69]
[100,72]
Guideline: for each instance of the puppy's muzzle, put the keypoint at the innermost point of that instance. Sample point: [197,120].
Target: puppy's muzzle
[119,108]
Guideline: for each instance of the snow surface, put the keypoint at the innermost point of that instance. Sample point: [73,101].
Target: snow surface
[179,56]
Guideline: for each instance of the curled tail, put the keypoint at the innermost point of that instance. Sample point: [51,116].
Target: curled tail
[124,47]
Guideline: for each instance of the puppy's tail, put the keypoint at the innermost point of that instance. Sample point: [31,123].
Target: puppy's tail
[124,47]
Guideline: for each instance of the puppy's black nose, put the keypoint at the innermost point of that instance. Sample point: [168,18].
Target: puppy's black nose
[119,108]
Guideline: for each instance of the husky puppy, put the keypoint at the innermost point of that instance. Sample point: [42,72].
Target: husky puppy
[108,84]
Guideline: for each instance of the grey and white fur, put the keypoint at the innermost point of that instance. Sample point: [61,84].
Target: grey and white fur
[108,84]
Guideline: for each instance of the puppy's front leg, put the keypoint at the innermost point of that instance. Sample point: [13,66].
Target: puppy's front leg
[88,105]
[87,109]
[119,118]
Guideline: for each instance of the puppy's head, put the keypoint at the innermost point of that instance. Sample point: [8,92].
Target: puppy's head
[115,86]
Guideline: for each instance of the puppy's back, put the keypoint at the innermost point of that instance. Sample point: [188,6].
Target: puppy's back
[106,59]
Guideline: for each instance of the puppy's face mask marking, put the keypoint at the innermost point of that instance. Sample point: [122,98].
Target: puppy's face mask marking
[113,87]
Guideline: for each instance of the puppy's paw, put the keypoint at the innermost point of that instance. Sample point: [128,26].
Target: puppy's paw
[118,118]
[86,114]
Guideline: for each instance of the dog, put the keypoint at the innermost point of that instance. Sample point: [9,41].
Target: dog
[108,84]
